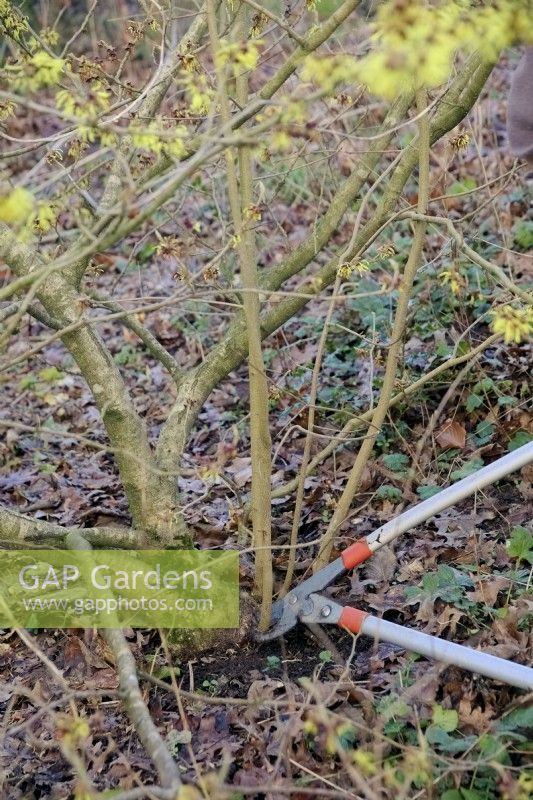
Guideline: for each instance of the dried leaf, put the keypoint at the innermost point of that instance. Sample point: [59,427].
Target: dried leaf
[381,567]
[452,434]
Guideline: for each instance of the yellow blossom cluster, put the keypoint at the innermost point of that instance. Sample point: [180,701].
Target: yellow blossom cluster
[358,266]
[515,324]
[158,140]
[45,217]
[7,109]
[85,108]
[35,72]
[93,103]
[414,42]
[453,278]
[19,208]
[12,21]
[240,56]
[386,251]
[16,206]
[331,70]
[460,141]
[259,21]
[199,93]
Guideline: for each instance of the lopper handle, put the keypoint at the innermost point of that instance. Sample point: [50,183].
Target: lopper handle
[352,619]
[363,548]
[437,649]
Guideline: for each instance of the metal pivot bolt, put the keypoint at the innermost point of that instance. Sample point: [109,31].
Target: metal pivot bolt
[326,611]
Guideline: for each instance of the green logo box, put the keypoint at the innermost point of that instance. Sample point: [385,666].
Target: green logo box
[119,588]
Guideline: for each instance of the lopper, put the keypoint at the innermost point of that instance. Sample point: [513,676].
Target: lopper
[304,604]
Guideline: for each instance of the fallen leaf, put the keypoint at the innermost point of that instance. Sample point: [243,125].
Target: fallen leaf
[489,589]
[381,567]
[452,434]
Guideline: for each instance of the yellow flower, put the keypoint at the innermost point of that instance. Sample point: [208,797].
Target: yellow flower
[281,141]
[84,108]
[7,109]
[360,266]
[515,324]
[73,732]
[365,761]
[248,55]
[50,36]
[252,212]
[385,74]
[175,145]
[77,147]
[453,278]
[525,785]
[460,141]
[328,71]
[199,93]
[16,207]
[259,21]
[386,251]
[157,140]
[54,156]
[189,62]
[45,218]
[45,70]
[344,271]
[415,41]
[263,153]
[13,22]
[245,55]
[147,139]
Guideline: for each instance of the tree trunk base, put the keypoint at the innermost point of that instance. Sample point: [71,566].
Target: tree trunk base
[186,644]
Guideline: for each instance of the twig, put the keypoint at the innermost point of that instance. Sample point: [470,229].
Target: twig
[314,388]
[154,347]
[240,197]
[497,272]
[131,694]
[279,22]
[394,352]
[358,422]
[430,427]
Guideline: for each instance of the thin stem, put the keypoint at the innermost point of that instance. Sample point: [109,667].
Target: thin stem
[241,203]
[361,420]
[395,349]
[497,272]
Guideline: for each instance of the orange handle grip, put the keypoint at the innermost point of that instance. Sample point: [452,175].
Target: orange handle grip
[352,619]
[356,553]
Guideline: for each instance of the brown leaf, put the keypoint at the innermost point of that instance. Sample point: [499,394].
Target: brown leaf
[104,679]
[74,653]
[263,690]
[488,591]
[381,567]
[448,619]
[452,434]
[241,471]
